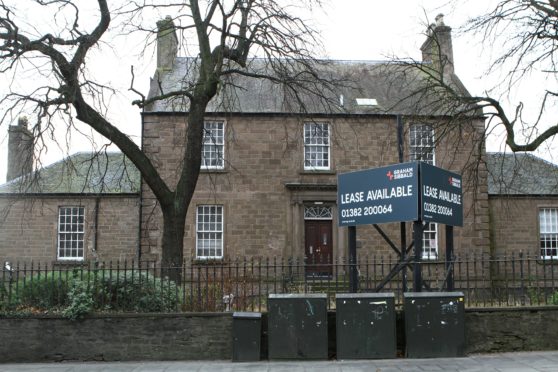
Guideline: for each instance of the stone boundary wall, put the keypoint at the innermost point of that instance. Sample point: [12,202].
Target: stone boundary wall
[494,330]
[197,336]
[117,337]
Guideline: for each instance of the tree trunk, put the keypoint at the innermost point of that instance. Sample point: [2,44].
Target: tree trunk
[173,244]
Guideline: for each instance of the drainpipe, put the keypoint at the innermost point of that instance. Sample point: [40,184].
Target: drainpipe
[96,232]
[140,209]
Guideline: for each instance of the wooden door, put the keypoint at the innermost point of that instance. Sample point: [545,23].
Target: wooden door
[318,247]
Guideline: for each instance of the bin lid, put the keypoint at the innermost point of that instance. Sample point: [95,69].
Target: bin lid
[432,294]
[365,295]
[248,315]
[298,295]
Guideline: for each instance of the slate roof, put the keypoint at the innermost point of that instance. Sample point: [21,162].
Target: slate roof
[80,173]
[521,174]
[389,83]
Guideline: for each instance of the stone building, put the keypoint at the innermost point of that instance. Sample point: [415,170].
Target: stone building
[523,199]
[84,208]
[268,181]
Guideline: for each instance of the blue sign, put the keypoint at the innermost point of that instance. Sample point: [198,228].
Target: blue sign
[380,195]
[441,196]
[400,192]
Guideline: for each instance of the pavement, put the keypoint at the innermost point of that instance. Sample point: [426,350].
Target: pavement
[508,362]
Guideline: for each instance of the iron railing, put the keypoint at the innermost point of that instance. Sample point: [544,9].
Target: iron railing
[513,280]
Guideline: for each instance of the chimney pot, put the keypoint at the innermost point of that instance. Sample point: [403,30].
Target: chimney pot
[167,44]
[438,48]
[20,150]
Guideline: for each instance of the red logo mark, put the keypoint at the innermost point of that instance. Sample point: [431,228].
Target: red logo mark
[390,175]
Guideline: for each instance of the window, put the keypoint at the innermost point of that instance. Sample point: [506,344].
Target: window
[70,233]
[422,143]
[421,148]
[213,145]
[318,213]
[209,231]
[430,241]
[316,146]
[548,224]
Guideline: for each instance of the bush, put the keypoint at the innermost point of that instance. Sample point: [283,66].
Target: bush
[78,292]
[80,300]
[42,291]
[138,292]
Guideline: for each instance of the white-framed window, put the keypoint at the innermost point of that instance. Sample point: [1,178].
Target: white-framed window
[209,231]
[422,148]
[213,150]
[548,226]
[430,241]
[71,229]
[316,146]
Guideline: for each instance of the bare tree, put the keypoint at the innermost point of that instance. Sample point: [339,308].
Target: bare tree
[525,34]
[225,35]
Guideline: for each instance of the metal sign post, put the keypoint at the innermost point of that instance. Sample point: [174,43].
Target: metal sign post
[417,268]
[353,271]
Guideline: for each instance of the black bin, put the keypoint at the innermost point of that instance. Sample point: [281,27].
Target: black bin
[247,330]
[434,324]
[365,325]
[297,326]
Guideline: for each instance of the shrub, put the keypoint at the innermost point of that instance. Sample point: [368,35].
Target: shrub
[46,291]
[135,291]
[80,300]
[78,292]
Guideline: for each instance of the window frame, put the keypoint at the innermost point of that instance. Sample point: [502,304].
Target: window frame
[210,231]
[307,146]
[417,152]
[213,144]
[79,232]
[430,252]
[550,232]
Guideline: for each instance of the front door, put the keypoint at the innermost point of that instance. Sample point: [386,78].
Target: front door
[318,247]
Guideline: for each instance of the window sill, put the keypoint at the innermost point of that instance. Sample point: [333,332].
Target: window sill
[318,171]
[208,261]
[70,263]
[213,170]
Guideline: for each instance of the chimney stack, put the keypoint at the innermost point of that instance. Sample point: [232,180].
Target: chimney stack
[167,44]
[20,150]
[438,49]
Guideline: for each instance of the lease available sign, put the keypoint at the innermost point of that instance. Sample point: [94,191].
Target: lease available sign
[400,192]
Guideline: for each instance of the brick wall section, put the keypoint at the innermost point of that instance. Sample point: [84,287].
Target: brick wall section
[514,223]
[208,336]
[263,153]
[514,329]
[29,227]
[112,338]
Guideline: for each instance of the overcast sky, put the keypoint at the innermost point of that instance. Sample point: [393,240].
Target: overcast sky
[351,30]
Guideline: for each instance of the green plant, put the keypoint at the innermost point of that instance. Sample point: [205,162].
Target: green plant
[554,298]
[42,291]
[80,300]
[78,292]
